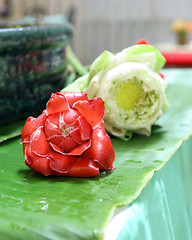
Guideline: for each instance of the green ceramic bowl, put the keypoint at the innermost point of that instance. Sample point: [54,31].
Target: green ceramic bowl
[32,66]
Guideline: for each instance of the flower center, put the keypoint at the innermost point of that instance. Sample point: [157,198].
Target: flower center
[66,129]
[128,94]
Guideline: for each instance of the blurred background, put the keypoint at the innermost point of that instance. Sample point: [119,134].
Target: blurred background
[106,24]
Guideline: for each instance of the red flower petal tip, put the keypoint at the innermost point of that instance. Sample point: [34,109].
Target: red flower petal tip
[141,41]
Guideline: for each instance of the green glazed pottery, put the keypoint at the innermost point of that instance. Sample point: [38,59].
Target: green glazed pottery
[32,66]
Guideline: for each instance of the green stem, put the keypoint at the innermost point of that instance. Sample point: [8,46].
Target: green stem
[79,68]
[78,85]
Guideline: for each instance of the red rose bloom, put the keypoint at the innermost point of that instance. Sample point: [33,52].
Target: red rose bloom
[68,138]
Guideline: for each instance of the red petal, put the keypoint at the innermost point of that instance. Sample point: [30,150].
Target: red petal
[75,150]
[70,116]
[84,128]
[78,151]
[61,163]
[83,168]
[57,149]
[54,119]
[51,129]
[73,97]
[57,140]
[27,150]
[92,110]
[40,121]
[141,41]
[57,103]
[25,147]
[39,164]
[68,144]
[161,75]
[101,150]
[101,126]
[39,143]
[75,134]
[29,127]
[32,124]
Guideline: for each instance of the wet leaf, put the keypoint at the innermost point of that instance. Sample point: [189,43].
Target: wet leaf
[11,130]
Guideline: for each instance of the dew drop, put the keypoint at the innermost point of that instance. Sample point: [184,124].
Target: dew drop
[157,161]
[160,149]
[134,161]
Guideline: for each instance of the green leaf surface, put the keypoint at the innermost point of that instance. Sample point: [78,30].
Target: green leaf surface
[37,207]
[11,130]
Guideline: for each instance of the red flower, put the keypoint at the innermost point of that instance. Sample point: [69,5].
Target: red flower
[68,138]
[141,41]
[161,75]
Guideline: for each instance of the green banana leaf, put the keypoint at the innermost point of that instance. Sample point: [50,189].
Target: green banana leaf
[37,207]
[11,130]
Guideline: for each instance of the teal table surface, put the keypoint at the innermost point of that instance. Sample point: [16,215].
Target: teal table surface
[164,208]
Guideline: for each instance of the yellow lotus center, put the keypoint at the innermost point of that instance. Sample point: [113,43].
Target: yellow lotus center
[128,94]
